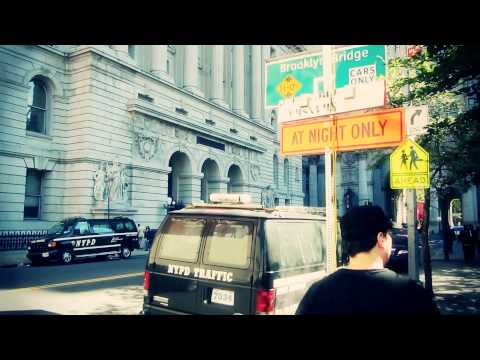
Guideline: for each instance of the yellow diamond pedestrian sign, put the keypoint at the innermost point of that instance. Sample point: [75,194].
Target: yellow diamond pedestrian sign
[289,86]
[409,167]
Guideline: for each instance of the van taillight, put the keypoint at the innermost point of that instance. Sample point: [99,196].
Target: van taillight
[146,282]
[265,302]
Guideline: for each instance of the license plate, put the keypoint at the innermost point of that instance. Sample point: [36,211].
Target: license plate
[45,254]
[224,297]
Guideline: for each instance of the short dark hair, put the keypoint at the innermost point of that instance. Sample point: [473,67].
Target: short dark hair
[360,227]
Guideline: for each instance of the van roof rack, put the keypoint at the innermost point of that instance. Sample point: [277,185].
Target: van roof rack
[302,209]
[225,206]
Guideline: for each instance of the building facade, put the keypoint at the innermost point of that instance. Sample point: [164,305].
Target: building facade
[92,130]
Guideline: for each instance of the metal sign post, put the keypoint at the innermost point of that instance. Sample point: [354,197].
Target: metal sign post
[413,272]
[330,166]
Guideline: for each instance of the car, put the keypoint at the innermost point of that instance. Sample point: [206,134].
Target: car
[234,257]
[78,237]
[399,256]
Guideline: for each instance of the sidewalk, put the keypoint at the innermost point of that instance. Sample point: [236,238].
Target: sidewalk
[456,285]
[18,257]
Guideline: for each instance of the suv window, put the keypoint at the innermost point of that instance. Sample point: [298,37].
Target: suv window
[229,244]
[130,226]
[295,244]
[81,228]
[118,226]
[180,239]
[101,228]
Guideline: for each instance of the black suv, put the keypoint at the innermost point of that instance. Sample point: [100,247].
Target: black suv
[233,259]
[76,238]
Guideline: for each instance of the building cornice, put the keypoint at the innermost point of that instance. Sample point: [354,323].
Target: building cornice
[146,108]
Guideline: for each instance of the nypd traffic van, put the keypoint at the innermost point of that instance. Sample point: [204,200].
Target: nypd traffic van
[231,257]
[76,238]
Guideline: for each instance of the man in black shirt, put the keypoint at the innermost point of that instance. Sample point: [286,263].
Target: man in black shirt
[365,287]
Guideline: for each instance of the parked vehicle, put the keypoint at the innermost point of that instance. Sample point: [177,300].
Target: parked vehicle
[76,238]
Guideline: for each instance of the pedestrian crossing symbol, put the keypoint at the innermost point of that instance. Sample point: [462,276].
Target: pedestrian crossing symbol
[288,87]
[409,167]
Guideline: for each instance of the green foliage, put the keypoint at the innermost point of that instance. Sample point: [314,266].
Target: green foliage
[442,76]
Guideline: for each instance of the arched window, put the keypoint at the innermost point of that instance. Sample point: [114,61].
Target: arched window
[37,106]
[275,170]
[286,173]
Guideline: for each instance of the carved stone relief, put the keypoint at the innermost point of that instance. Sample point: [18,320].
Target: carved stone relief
[254,172]
[110,181]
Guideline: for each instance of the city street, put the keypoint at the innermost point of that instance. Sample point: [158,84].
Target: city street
[88,288]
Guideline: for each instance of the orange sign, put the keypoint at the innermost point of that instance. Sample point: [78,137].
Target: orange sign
[385,128]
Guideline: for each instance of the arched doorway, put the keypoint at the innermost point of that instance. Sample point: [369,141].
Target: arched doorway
[179,179]
[235,185]
[455,212]
[211,175]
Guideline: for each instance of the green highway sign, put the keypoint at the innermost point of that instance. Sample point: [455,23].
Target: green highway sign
[293,76]
[358,65]
[296,84]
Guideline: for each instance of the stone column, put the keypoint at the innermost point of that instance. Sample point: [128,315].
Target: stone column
[265,56]
[217,185]
[257,87]
[339,189]
[321,180]
[218,57]
[159,62]
[190,69]
[362,179]
[238,102]
[470,206]
[313,190]
[369,173]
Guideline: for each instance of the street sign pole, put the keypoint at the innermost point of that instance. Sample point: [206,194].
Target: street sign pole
[330,166]
[412,239]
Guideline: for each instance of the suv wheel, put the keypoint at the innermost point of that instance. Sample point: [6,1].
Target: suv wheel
[125,252]
[66,257]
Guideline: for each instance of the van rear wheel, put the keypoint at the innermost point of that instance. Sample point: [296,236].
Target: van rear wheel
[125,252]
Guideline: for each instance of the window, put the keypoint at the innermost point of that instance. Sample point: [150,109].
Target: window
[81,228]
[272,52]
[180,239]
[294,244]
[33,187]
[297,174]
[131,51]
[286,173]
[275,170]
[130,226]
[102,228]
[229,244]
[37,106]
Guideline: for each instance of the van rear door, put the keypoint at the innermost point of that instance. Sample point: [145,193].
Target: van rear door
[225,275]
[173,260]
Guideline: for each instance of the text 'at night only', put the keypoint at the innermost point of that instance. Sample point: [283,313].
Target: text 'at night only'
[330,133]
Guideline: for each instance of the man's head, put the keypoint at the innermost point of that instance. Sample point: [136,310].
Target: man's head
[365,228]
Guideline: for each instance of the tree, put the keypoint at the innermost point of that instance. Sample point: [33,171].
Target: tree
[443,77]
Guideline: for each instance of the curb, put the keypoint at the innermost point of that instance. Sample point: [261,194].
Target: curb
[25,262]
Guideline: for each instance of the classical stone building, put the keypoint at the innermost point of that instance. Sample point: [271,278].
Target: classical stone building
[87,130]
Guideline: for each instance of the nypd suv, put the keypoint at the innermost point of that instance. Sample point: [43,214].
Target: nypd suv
[232,257]
[76,238]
